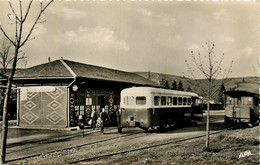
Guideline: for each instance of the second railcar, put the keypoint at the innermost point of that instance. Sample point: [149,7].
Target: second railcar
[146,107]
[242,107]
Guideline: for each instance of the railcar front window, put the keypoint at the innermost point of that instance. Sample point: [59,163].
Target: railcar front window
[180,101]
[140,100]
[229,101]
[163,100]
[189,101]
[174,100]
[129,100]
[156,100]
[247,100]
[126,100]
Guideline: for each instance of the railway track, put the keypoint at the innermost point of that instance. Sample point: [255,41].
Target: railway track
[141,148]
[75,146]
[105,140]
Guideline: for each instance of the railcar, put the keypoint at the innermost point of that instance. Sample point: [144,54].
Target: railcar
[242,107]
[146,107]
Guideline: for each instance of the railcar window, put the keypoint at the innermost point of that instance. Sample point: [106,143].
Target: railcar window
[140,100]
[156,100]
[189,101]
[184,101]
[179,100]
[129,100]
[238,101]
[126,100]
[229,100]
[174,100]
[247,100]
[169,100]
[163,100]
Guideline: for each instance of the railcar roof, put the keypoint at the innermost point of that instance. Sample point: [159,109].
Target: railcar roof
[157,90]
[240,93]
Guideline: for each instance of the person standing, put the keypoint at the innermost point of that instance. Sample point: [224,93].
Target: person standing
[102,118]
[118,119]
[94,118]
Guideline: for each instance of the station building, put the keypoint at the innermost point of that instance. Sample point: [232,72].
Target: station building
[54,94]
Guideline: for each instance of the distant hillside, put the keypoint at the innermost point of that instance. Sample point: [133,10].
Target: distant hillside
[187,82]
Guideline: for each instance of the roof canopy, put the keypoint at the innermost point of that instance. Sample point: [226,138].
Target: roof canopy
[64,69]
[244,89]
[240,93]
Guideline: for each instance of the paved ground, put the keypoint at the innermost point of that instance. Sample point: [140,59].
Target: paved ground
[25,142]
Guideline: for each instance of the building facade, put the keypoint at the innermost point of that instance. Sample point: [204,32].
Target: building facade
[54,94]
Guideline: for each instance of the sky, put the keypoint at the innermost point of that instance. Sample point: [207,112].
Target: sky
[143,36]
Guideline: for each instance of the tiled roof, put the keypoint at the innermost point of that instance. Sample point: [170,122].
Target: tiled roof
[57,69]
[249,87]
[51,69]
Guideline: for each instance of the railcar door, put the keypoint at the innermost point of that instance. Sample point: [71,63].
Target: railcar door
[196,109]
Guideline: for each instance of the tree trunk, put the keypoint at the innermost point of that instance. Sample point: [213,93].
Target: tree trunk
[207,126]
[5,108]
[208,114]
[5,121]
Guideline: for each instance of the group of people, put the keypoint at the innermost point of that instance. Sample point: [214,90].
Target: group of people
[102,118]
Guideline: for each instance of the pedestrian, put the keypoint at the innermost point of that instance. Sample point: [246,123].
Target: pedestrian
[102,118]
[94,118]
[118,119]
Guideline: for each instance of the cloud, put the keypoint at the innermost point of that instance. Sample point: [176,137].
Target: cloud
[222,14]
[217,15]
[144,11]
[68,13]
[247,51]
[166,20]
[101,36]
[192,47]
[38,29]
[179,37]
[226,38]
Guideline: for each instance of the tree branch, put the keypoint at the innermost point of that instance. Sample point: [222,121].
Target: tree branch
[27,12]
[36,21]
[11,6]
[2,30]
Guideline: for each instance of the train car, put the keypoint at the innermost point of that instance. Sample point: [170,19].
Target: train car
[242,107]
[146,107]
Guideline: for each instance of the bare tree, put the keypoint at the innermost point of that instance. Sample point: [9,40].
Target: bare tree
[19,19]
[7,57]
[210,66]
[5,61]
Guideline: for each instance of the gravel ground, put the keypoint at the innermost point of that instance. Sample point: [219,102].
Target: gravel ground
[226,148]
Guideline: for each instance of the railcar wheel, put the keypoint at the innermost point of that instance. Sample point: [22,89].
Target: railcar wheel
[145,129]
[226,120]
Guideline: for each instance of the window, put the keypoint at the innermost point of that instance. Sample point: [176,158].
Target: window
[174,100]
[140,100]
[129,100]
[169,100]
[238,101]
[156,100]
[163,100]
[189,101]
[184,101]
[247,100]
[126,100]
[179,100]
[229,101]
